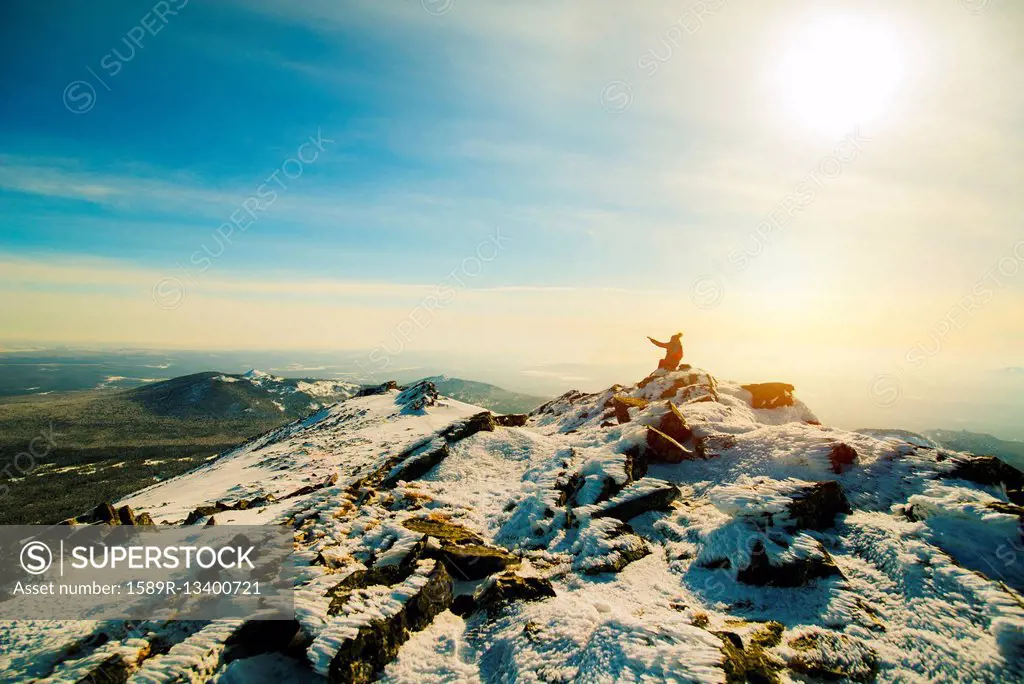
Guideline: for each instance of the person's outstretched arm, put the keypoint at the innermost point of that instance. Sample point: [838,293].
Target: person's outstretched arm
[663,345]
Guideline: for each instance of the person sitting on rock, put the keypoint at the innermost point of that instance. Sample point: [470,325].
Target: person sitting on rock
[673,353]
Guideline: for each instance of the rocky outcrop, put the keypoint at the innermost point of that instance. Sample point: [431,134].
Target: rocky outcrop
[417,462]
[647,494]
[512,420]
[815,507]
[989,470]
[502,590]
[663,449]
[377,389]
[460,430]
[748,662]
[365,643]
[470,561]
[419,396]
[256,637]
[769,395]
[793,572]
[329,481]
[674,424]
[621,405]
[832,656]
[106,514]
[842,457]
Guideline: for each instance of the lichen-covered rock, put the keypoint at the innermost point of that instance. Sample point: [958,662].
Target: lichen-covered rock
[470,561]
[747,663]
[622,404]
[769,395]
[442,529]
[508,588]
[829,655]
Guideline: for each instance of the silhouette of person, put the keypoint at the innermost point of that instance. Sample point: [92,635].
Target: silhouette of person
[673,351]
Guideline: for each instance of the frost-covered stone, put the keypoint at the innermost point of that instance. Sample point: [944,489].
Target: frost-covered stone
[646,494]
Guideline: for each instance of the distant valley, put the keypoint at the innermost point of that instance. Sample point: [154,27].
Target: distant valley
[62,452]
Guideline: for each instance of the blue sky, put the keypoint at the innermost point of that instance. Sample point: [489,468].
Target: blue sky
[638,164]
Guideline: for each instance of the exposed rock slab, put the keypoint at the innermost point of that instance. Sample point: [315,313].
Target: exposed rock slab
[769,395]
[646,494]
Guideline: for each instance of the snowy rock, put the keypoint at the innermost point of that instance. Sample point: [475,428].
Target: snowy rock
[368,636]
[829,655]
[647,494]
[842,456]
[512,420]
[674,425]
[622,405]
[816,506]
[508,588]
[419,396]
[664,449]
[802,563]
[989,470]
[378,389]
[483,421]
[470,561]
[417,462]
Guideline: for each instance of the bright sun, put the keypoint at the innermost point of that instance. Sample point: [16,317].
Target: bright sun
[840,73]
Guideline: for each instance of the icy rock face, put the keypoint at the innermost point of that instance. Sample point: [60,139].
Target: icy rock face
[776,549]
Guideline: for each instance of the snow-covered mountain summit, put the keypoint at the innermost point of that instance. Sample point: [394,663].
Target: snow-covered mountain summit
[679,529]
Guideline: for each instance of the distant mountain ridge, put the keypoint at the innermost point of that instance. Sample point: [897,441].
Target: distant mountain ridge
[486,395]
[213,394]
[980,443]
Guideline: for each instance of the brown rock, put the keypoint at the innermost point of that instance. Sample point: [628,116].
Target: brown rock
[842,456]
[674,425]
[770,395]
[664,449]
[622,404]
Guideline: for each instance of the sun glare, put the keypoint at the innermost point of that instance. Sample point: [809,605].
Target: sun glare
[840,73]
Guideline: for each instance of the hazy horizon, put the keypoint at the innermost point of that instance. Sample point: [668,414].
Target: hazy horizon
[819,193]
[985,400]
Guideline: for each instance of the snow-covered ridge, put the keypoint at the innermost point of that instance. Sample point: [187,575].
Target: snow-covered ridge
[667,530]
